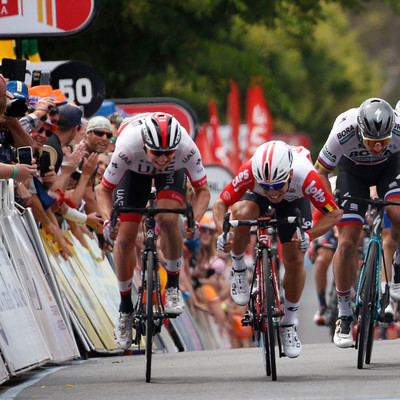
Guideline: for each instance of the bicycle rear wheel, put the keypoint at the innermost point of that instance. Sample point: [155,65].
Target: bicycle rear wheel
[268,301]
[366,323]
[149,313]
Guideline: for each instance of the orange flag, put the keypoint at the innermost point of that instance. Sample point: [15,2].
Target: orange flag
[234,153]
[258,117]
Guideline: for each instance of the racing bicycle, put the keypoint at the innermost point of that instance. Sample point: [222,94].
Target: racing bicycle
[370,304]
[265,307]
[148,313]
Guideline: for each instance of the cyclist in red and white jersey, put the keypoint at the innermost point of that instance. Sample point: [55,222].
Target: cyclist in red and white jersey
[284,178]
[150,146]
[365,145]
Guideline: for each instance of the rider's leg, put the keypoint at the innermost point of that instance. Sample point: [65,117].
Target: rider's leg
[321,265]
[239,283]
[394,217]
[125,262]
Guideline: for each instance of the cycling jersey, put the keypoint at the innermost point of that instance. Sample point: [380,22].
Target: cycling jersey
[129,154]
[343,141]
[305,183]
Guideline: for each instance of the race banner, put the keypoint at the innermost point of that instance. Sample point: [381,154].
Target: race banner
[21,340]
[53,327]
[51,18]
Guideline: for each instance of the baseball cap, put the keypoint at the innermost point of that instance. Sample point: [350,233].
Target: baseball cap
[99,122]
[69,115]
[18,89]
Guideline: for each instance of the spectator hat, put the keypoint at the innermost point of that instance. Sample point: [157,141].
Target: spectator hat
[99,122]
[70,115]
[18,89]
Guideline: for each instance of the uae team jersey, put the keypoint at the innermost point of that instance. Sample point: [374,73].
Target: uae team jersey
[129,154]
[305,183]
[343,141]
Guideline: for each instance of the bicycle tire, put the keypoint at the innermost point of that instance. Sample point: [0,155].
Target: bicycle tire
[365,326]
[149,313]
[269,301]
[332,310]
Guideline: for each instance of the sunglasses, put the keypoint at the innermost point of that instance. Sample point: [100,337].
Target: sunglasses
[159,153]
[274,186]
[101,134]
[47,131]
[207,230]
[373,142]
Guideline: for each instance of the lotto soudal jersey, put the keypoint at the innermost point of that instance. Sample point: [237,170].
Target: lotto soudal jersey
[343,141]
[305,183]
[129,154]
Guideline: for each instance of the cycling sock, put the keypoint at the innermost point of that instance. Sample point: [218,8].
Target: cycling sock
[290,316]
[173,280]
[344,303]
[126,305]
[173,267]
[321,298]
[238,263]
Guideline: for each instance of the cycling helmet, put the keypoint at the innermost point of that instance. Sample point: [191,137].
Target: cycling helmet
[375,119]
[272,162]
[397,108]
[161,131]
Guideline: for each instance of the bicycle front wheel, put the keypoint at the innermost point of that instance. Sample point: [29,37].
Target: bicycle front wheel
[366,321]
[149,313]
[269,309]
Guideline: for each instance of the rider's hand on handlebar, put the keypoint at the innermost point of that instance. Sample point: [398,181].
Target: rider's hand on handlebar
[224,242]
[302,240]
[107,234]
[190,233]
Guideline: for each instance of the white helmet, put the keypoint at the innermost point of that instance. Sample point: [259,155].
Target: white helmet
[397,108]
[272,162]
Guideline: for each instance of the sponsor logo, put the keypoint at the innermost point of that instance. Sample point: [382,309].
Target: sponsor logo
[331,157]
[239,178]
[124,158]
[316,194]
[198,162]
[349,130]
[226,196]
[114,165]
[189,156]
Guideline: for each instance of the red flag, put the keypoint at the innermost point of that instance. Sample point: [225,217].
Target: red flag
[203,144]
[233,118]
[217,146]
[259,119]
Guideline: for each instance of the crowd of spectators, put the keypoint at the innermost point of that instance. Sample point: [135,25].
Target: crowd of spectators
[62,194]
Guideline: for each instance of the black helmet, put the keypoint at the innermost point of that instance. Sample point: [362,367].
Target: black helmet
[375,119]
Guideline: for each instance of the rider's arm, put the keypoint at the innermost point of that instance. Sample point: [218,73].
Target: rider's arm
[323,174]
[219,210]
[200,201]
[104,201]
[325,223]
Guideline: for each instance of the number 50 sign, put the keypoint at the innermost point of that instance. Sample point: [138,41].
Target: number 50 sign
[81,83]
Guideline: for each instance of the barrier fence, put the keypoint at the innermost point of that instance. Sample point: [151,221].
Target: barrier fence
[54,310]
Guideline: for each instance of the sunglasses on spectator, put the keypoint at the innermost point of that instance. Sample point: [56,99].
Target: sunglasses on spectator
[47,131]
[206,230]
[159,153]
[274,186]
[101,134]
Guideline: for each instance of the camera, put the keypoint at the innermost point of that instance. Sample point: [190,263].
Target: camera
[16,108]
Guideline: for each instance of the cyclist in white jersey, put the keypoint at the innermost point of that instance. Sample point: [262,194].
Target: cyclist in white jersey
[151,149]
[365,145]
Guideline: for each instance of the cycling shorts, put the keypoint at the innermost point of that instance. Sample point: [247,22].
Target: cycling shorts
[356,180]
[134,190]
[284,209]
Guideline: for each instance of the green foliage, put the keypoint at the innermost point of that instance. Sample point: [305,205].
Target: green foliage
[305,51]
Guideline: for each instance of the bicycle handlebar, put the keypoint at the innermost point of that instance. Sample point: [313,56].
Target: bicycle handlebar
[262,222]
[378,203]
